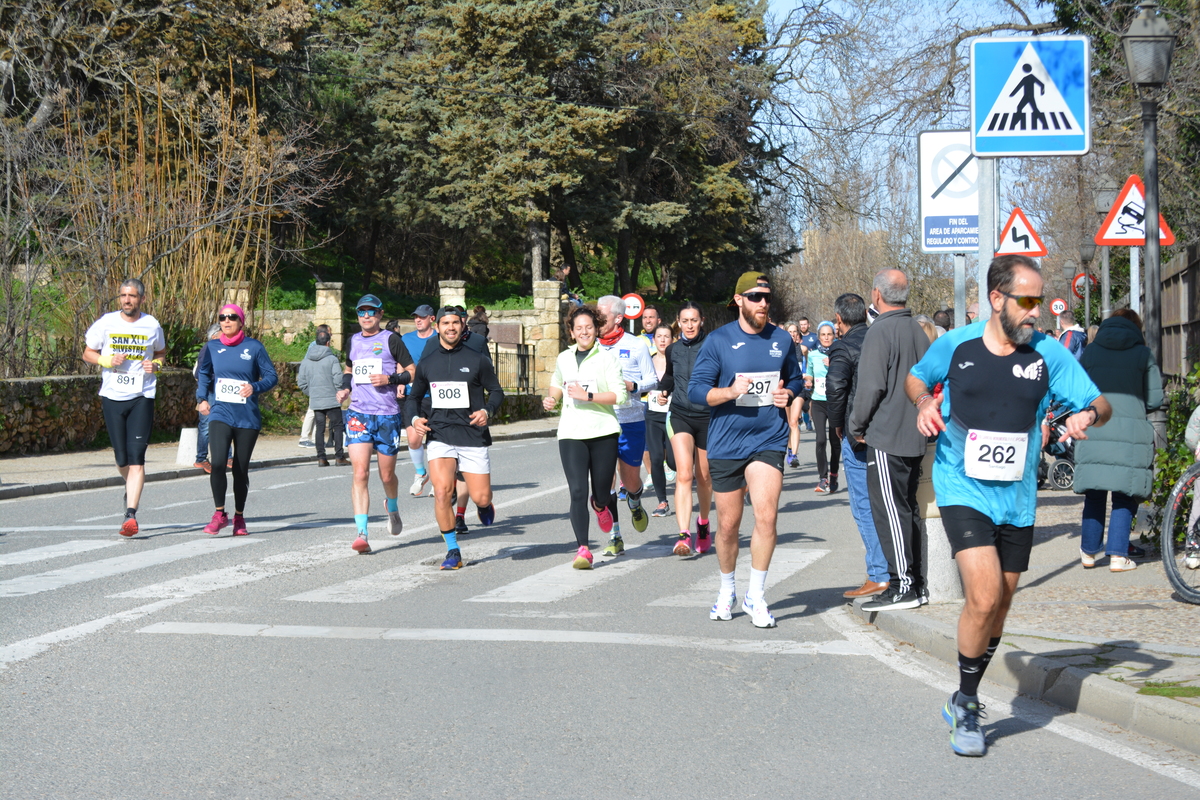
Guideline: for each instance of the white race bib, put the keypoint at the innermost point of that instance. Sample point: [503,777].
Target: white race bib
[992,456]
[652,403]
[587,386]
[131,381]
[819,386]
[229,390]
[449,394]
[364,368]
[762,384]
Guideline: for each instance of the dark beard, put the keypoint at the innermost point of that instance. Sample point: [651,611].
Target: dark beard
[1017,333]
[748,316]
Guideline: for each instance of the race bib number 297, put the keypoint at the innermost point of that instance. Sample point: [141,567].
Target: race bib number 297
[762,384]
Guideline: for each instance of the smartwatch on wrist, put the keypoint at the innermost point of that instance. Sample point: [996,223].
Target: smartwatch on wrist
[590,396]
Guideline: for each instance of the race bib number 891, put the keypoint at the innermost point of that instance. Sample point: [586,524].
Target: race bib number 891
[992,456]
[132,381]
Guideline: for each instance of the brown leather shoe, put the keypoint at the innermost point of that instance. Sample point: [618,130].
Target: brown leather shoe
[204,465]
[322,462]
[343,462]
[868,589]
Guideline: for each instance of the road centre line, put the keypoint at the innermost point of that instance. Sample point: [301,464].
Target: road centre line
[839,647]
[786,562]
[55,551]
[875,645]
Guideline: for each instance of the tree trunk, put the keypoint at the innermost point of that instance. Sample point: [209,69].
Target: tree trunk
[622,277]
[639,256]
[537,233]
[563,231]
[369,261]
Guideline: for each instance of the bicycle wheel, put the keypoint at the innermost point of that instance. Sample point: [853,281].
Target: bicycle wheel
[1181,536]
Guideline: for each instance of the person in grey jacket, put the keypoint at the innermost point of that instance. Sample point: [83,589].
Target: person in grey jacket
[885,419]
[320,377]
[1119,457]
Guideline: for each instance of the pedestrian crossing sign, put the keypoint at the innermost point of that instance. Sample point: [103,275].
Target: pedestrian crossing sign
[1019,238]
[1031,96]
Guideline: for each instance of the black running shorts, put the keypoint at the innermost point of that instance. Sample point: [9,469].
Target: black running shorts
[696,426]
[729,474]
[967,528]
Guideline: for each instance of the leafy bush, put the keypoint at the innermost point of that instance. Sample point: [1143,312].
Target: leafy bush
[280,299]
[1171,461]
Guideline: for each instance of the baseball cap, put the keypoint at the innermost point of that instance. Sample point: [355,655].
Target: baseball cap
[750,281]
[369,301]
[423,310]
[446,310]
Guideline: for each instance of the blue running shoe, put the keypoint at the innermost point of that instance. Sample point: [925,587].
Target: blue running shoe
[966,734]
[453,559]
[487,515]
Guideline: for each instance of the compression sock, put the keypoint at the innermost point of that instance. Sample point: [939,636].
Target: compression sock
[634,498]
[970,671]
[130,513]
[993,643]
[392,506]
[460,510]
[417,454]
[758,583]
[451,539]
[360,522]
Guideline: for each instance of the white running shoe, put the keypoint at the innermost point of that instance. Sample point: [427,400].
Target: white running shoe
[723,608]
[395,524]
[759,614]
[418,484]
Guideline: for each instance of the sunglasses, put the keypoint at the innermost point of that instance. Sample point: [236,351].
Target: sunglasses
[368,312]
[228,318]
[758,297]
[1025,301]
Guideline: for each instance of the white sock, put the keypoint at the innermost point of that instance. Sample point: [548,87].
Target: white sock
[418,458]
[758,583]
[728,587]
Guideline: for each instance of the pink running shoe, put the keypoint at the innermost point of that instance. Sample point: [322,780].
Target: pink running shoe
[683,547]
[361,545]
[239,526]
[219,520]
[703,540]
[583,558]
[603,516]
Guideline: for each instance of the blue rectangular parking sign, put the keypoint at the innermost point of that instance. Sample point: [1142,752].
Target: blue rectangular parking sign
[1031,96]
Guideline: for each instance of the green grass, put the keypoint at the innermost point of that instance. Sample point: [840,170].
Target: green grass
[1169,689]
[497,296]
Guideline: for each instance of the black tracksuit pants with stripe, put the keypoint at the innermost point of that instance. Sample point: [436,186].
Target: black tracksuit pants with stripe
[892,486]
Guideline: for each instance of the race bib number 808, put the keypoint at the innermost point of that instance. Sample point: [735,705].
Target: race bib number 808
[449,394]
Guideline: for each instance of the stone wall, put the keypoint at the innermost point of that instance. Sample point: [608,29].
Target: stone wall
[285,325]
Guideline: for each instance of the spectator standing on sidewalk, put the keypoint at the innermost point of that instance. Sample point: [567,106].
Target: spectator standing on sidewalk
[850,322]
[478,323]
[214,331]
[320,377]
[1119,457]
[886,421]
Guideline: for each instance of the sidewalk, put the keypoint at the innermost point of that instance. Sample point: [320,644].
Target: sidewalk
[1085,640]
[23,476]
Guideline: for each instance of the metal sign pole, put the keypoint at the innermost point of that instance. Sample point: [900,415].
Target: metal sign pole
[987,229]
[960,289]
[1135,281]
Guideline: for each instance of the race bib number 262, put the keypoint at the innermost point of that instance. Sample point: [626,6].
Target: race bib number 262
[992,456]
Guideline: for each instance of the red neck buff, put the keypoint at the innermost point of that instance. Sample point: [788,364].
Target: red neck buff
[612,338]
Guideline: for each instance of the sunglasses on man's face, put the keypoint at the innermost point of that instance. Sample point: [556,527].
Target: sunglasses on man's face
[758,297]
[228,317]
[368,312]
[1025,301]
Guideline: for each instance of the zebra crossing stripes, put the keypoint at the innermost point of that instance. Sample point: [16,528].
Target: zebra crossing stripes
[784,564]
[55,551]
[563,581]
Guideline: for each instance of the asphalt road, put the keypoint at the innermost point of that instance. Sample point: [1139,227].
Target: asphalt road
[283,665]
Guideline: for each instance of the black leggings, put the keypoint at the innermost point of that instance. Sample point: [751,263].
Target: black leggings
[219,437]
[820,418]
[583,456]
[659,446]
[129,423]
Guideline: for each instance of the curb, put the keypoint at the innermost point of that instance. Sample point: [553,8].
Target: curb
[32,490]
[1045,679]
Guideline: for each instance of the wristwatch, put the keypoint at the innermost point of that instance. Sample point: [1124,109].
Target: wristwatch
[590,397]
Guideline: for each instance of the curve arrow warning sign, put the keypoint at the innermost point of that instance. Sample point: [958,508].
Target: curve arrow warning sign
[1019,238]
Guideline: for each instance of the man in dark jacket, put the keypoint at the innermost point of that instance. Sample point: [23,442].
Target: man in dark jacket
[320,377]
[850,319]
[885,420]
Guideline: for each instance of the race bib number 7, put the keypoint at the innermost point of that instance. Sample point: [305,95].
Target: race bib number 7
[364,368]
[449,394]
[992,456]
[762,384]
[229,390]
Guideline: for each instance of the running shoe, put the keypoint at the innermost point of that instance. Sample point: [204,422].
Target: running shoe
[616,546]
[760,615]
[453,559]
[669,474]
[418,484]
[703,540]
[621,493]
[794,462]
[583,558]
[129,527]
[395,524]
[306,443]
[893,600]
[1192,562]
[833,484]
[723,608]
[822,487]
[662,510]
[361,545]
[487,515]
[603,516]
[239,526]
[966,735]
[683,547]
[460,525]
[640,518]
[219,520]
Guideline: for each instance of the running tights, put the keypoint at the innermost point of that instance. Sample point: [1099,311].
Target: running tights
[129,423]
[659,447]
[220,435]
[825,432]
[581,457]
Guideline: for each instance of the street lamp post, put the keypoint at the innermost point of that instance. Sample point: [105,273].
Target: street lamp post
[1106,195]
[1087,251]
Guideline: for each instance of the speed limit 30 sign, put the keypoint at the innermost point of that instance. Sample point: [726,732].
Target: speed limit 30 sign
[1058,306]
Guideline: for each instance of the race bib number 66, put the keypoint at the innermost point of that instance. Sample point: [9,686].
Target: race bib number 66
[992,456]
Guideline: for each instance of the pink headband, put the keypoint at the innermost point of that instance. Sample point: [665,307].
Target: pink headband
[236,309]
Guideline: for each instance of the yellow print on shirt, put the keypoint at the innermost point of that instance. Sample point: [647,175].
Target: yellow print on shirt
[130,345]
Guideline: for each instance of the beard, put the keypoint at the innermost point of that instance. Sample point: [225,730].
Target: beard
[749,313]
[1016,332]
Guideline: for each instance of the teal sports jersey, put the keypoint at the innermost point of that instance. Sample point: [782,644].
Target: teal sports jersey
[1002,394]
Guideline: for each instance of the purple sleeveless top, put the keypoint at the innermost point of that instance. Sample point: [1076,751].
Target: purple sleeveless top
[365,398]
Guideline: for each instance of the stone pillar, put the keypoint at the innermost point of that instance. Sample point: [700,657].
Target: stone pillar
[941,571]
[329,311]
[550,334]
[238,292]
[453,293]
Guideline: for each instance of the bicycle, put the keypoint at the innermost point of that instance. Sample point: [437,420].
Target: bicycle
[1181,536]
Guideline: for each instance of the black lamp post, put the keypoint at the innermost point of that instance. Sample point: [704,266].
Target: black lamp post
[1087,251]
[1149,45]
[1106,195]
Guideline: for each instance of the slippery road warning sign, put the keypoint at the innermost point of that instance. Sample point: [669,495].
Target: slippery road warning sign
[1125,224]
[1030,96]
[1019,238]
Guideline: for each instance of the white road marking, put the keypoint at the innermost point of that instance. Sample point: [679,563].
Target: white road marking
[79,492]
[177,505]
[404,578]
[875,645]
[335,477]
[281,485]
[54,551]
[563,581]
[786,562]
[69,528]
[839,647]
[94,570]
[28,648]
[102,516]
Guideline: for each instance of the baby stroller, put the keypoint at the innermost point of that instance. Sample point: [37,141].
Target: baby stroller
[1057,466]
